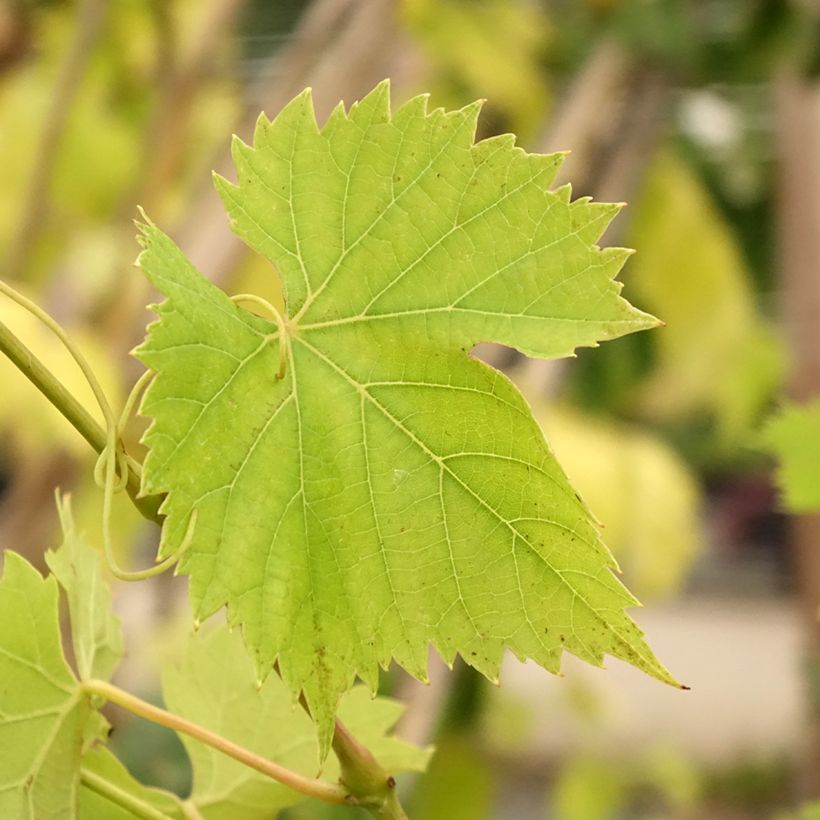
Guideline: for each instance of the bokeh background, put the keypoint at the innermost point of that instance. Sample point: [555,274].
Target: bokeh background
[704,116]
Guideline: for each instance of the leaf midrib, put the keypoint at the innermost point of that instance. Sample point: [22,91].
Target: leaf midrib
[516,533]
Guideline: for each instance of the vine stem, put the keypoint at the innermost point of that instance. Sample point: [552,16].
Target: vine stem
[113,456]
[79,418]
[365,777]
[318,789]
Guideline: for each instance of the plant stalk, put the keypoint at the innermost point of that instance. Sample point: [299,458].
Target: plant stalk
[48,384]
[318,789]
[364,776]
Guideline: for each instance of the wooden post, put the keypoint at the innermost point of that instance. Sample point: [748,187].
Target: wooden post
[798,122]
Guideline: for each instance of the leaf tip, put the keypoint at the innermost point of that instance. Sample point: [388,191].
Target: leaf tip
[145,219]
[385,83]
[64,513]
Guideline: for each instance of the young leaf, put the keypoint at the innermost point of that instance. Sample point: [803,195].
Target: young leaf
[389,491]
[95,630]
[794,436]
[43,712]
[213,685]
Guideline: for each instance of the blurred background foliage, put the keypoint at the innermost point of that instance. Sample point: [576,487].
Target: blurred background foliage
[704,115]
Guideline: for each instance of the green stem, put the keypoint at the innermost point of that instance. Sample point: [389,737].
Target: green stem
[364,776]
[48,384]
[318,789]
[114,794]
[190,811]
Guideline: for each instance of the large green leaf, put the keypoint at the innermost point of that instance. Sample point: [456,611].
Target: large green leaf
[43,713]
[95,630]
[213,685]
[794,436]
[389,491]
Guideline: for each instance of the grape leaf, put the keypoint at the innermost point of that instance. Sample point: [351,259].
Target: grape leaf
[95,630]
[213,685]
[794,436]
[43,712]
[389,491]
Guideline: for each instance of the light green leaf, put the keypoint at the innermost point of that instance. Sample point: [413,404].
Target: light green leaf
[389,491]
[794,437]
[95,630]
[640,488]
[717,355]
[93,806]
[43,713]
[214,686]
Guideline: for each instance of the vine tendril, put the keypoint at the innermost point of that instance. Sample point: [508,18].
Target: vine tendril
[111,468]
[281,325]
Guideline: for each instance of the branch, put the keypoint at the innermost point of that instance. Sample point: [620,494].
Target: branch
[364,776]
[48,384]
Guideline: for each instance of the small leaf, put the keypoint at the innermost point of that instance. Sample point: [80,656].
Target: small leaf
[95,630]
[794,437]
[43,712]
[214,686]
[389,492]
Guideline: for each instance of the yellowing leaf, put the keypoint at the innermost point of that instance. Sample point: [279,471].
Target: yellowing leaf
[716,353]
[389,492]
[645,496]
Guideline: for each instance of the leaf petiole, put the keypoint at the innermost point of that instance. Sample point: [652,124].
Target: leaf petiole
[318,789]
